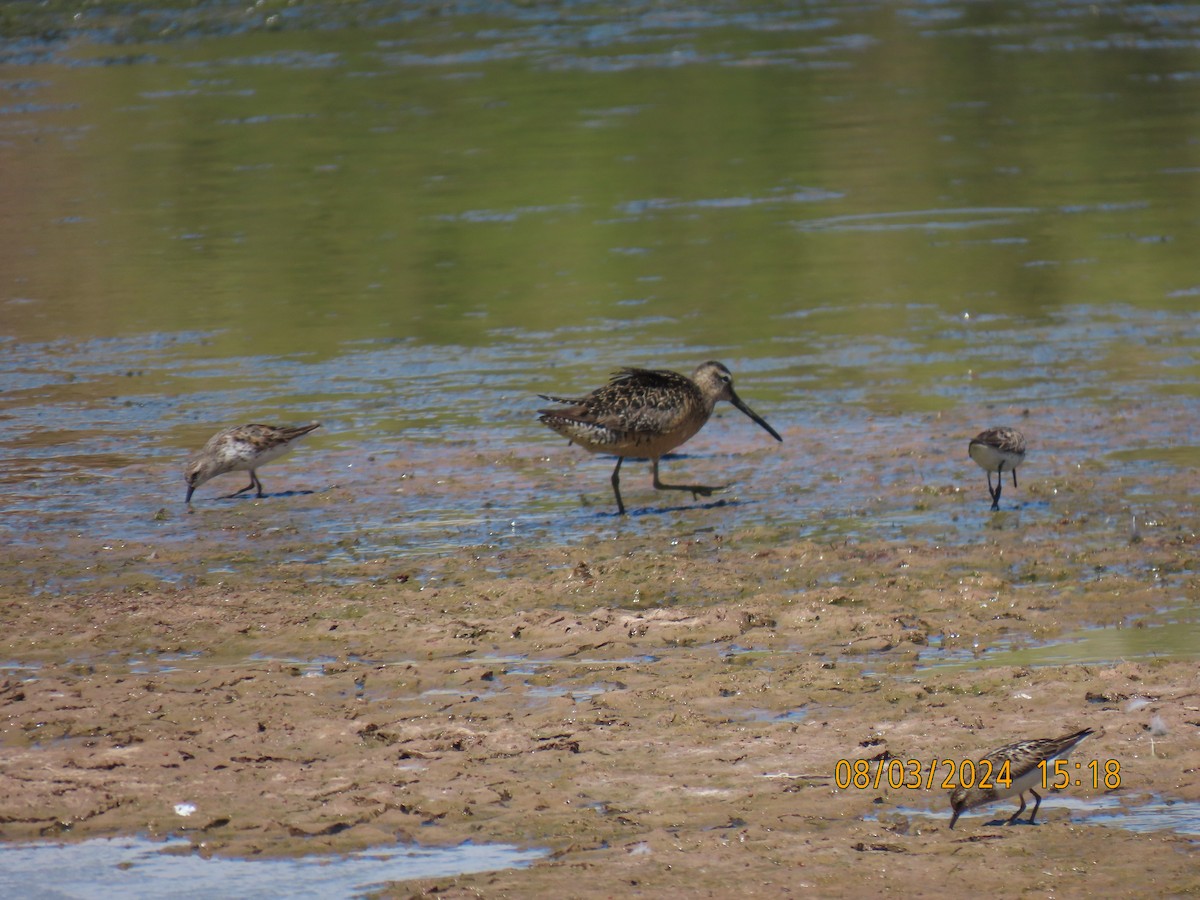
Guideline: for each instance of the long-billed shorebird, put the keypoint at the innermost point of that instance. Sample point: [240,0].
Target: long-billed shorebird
[242,448]
[998,450]
[1024,760]
[647,413]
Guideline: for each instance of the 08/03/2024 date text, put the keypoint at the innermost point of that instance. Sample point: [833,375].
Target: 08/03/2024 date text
[948,774]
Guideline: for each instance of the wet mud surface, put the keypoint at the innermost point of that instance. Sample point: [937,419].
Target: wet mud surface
[664,712]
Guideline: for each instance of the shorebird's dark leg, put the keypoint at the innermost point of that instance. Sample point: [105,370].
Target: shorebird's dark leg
[616,483]
[698,490]
[1014,471]
[1038,803]
[254,484]
[999,486]
[992,492]
[251,486]
[1021,797]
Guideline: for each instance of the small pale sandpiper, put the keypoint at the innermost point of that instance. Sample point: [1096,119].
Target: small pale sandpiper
[998,450]
[242,448]
[1024,760]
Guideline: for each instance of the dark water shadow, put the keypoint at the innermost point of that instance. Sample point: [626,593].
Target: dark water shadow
[266,496]
[649,512]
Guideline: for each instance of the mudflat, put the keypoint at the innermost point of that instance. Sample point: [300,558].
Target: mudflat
[663,714]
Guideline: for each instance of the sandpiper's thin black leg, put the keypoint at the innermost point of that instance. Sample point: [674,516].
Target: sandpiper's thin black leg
[251,486]
[1013,817]
[994,493]
[258,484]
[616,483]
[1035,805]
[698,490]
[1014,471]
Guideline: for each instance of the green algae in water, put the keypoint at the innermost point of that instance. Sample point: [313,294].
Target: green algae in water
[1176,640]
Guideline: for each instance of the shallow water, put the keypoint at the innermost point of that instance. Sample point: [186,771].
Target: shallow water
[1174,635]
[1137,813]
[408,226]
[140,868]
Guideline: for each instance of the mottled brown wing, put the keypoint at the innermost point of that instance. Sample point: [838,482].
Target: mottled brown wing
[643,401]
[265,437]
[649,379]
